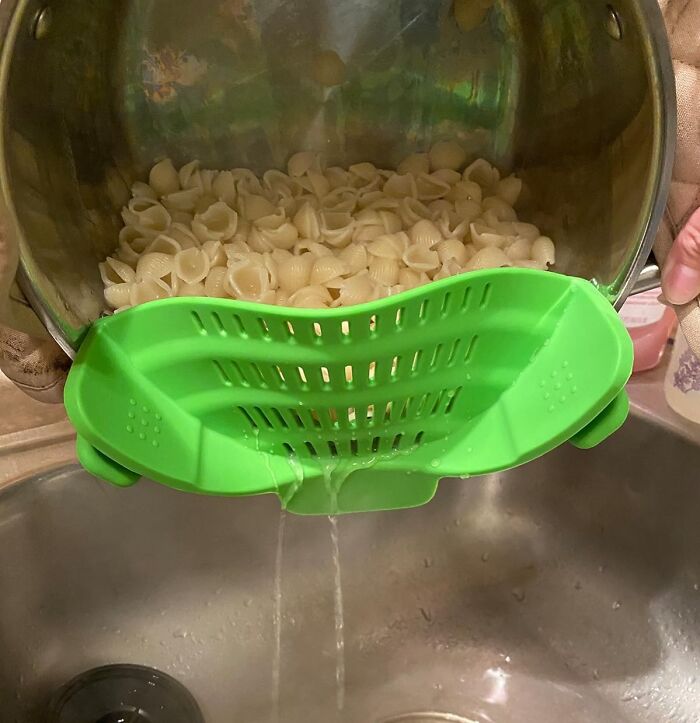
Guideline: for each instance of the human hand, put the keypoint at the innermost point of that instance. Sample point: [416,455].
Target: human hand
[681,276]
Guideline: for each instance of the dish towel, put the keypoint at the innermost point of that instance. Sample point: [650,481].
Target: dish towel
[30,358]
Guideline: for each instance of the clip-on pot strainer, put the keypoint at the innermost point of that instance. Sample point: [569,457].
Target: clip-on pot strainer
[351,409]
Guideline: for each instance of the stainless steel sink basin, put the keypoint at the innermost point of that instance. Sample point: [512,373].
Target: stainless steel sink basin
[567,591]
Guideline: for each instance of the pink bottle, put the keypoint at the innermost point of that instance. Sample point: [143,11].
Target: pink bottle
[650,325]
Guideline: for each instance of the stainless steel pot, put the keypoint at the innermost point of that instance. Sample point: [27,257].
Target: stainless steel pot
[575,95]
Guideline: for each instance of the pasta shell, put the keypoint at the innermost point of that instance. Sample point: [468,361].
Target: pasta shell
[192,266]
[467,210]
[114,271]
[421,258]
[411,279]
[316,249]
[364,171]
[154,266]
[319,183]
[247,281]
[337,228]
[389,246]
[416,164]
[411,210]
[509,189]
[377,201]
[307,222]
[326,268]
[183,235]
[189,177]
[283,237]
[490,257]
[452,249]
[216,253]
[337,177]
[340,199]
[483,173]
[214,286]
[355,257]
[425,233]
[384,271]
[519,250]
[356,290]
[182,200]
[143,190]
[150,289]
[163,178]
[118,295]
[447,154]
[311,297]
[252,207]
[295,272]
[543,251]
[165,245]
[483,236]
[529,264]
[197,289]
[465,191]
[217,223]
[302,162]
[496,209]
[258,241]
[127,255]
[445,175]
[448,269]
[224,188]
[429,188]
[390,221]
[401,186]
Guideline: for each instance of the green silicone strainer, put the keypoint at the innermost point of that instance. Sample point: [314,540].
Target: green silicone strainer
[352,409]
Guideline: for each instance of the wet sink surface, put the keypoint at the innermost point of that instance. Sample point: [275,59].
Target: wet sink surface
[565,591]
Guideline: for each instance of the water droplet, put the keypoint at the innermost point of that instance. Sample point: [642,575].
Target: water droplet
[696,587]
[543,383]
[569,376]
[616,605]
[158,418]
[485,557]
[144,422]
[601,568]
[551,408]
[155,444]
[438,686]
[519,594]
[248,602]
[577,585]
[557,386]
[145,410]
[129,428]
[574,389]
[547,395]
[435,463]
[562,399]
[131,415]
[142,436]
[156,430]
[428,562]
[132,402]
[596,674]
[565,364]
[426,614]
[555,373]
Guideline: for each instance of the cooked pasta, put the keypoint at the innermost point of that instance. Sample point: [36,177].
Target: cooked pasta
[315,236]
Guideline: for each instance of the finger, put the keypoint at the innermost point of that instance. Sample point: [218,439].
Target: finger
[681,277]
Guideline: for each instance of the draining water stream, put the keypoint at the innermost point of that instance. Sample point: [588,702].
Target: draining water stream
[338,617]
[277,619]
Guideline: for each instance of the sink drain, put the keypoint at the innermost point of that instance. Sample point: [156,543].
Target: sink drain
[123,694]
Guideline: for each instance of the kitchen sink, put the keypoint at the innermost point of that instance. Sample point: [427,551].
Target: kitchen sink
[565,591]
